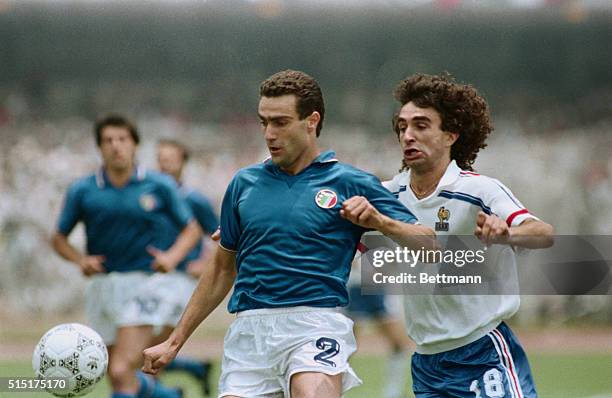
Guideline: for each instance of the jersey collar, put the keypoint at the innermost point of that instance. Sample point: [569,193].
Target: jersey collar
[451,175]
[102,180]
[324,157]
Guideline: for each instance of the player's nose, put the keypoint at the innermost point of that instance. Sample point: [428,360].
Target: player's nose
[270,134]
[408,136]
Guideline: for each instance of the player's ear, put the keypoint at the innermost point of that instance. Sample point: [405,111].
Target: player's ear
[452,138]
[313,120]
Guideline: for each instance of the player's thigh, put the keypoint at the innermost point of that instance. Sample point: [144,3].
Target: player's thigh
[314,384]
[394,331]
[130,343]
[162,336]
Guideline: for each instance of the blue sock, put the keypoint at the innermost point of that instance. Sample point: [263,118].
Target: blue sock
[151,388]
[190,365]
[122,395]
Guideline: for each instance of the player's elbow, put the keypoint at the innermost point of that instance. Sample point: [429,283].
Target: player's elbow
[57,239]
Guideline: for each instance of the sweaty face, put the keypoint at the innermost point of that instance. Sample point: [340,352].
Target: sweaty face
[117,148]
[170,160]
[287,137]
[423,143]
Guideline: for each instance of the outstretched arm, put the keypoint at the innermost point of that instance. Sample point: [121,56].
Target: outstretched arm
[360,211]
[214,284]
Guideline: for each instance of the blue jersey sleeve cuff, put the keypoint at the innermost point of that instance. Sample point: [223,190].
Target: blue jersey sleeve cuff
[226,246]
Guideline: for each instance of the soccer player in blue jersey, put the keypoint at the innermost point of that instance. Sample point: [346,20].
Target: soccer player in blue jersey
[464,349]
[289,230]
[172,157]
[126,210]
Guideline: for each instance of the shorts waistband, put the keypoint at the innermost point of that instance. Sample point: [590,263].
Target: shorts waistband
[449,345]
[285,310]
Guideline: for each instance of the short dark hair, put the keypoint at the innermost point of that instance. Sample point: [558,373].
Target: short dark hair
[462,110]
[303,86]
[178,145]
[115,120]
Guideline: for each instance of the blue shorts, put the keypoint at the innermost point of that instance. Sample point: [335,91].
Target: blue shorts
[365,306]
[493,366]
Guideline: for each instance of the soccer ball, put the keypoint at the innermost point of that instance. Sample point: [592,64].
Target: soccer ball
[73,352]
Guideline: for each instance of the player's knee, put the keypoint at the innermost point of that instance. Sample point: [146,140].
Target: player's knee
[120,373]
[315,385]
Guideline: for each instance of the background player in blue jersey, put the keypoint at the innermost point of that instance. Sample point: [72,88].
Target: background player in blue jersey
[289,230]
[126,210]
[385,312]
[464,348]
[172,157]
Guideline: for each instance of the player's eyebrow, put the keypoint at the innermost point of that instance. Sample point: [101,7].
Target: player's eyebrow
[421,119]
[273,118]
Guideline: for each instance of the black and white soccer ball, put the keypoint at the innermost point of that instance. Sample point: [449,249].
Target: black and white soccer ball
[72,352]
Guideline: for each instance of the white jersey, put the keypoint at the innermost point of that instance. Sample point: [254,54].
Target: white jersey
[440,323]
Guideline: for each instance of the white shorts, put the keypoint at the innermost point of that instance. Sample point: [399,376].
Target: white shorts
[264,348]
[136,298]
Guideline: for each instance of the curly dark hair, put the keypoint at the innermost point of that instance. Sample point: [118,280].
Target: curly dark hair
[303,86]
[462,110]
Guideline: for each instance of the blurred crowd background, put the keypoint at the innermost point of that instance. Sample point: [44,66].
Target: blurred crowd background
[190,70]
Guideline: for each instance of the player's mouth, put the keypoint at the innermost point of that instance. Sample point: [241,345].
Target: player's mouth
[274,150]
[412,154]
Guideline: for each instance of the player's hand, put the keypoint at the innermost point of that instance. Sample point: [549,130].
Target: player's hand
[156,357]
[216,236]
[163,261]
[91,265]
[196,268]
[491,229]
[360,211]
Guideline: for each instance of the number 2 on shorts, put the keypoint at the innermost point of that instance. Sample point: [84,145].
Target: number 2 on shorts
[331,349]
[493,385]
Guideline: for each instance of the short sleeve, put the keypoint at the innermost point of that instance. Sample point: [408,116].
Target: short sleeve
[386,203]
[176,206]
[71,212]
[203,212]
[506,206]
[230,217]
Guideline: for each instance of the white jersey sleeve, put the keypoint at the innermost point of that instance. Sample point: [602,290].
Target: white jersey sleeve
[503,203]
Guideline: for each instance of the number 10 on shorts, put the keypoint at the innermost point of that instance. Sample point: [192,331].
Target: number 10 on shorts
[493,385]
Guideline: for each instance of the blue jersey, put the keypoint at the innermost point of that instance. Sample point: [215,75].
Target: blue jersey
[293,248]
[121,222]
[204,215]
[201,208]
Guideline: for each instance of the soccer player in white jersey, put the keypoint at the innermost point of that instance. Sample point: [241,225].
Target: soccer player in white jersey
[464,348]
[290,227]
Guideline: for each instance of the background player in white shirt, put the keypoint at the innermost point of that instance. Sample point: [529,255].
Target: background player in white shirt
[464,349]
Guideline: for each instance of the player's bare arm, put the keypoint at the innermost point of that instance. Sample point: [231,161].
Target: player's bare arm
[167,261]
[89,265]
[214,284]
[531,233]
[360,211]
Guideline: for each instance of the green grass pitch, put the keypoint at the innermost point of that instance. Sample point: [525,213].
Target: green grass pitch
[557,376]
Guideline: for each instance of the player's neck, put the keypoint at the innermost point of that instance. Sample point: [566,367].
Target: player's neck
[119,177]
[424,182]
[303,161]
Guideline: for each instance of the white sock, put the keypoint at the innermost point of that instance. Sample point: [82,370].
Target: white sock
[397,368]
